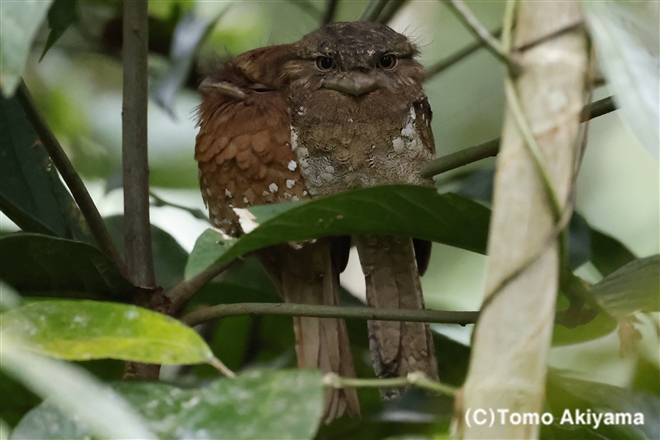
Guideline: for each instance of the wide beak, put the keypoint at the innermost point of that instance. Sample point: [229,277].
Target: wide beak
[352,83]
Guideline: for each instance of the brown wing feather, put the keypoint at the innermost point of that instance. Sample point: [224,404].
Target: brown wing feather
[243,145]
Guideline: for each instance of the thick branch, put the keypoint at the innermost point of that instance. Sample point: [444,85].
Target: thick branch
[137,229]
[72,179]
[492,147]
[226,310]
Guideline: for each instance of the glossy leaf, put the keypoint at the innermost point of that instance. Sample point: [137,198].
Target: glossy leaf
[74,391]
[61,15]
[169,257]
[632,289]
[20,22]
[31,192]
[41,265]
[626,36]
[82,330]
[257,404]
[394,209]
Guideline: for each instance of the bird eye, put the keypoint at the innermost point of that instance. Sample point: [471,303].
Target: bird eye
[324,63]
[387,61]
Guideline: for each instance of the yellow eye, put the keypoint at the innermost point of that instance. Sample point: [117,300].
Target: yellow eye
[324,63]
[387,61]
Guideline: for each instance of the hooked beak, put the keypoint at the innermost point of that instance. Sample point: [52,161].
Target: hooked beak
[352,83]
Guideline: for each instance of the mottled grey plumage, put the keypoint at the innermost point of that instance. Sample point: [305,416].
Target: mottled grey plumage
[359,124]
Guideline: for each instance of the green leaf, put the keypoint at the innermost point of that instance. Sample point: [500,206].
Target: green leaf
[608,254]
[82,330]
[258,404]
[74,391]
[169,257]
[566,395]
[632,289]
[62,14]
[394,209]
[626,36]
[31,192]
[41,265]
[20,22]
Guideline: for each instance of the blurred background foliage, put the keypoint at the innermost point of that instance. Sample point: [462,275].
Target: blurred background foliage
[77,85]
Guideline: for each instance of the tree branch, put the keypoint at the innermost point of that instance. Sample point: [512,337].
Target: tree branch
[492,147]
[72,179]
[137,228]
[368,313]
[183,291]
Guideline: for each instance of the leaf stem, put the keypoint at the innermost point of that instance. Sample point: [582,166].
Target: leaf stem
[72,179]
[221,367]
[368,313]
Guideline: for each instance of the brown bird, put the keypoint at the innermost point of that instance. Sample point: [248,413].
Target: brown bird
[340,109]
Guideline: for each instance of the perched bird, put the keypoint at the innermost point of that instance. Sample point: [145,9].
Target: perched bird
[342,108]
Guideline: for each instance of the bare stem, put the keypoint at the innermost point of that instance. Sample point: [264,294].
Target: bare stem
[389,10]
[226,310]
[72,179]
[221,367]
[183,291]
[416,378]
[137,228]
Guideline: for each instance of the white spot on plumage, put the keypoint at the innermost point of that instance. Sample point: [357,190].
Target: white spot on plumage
[413,115]
[265,193]
[329,169]
[228,193]
[208,191]
[295,198]
[397,143]
[245,200]
[292,165]
[246,219]
[273,188]
[290,183]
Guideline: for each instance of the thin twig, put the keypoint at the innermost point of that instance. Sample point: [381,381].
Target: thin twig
[72,179]
[368,313]
[457,56]
[330,12]
[389,10]
[307,7]
[416,378]
[373,10]
[465,15]
[137,228]
[491,148]
[197,213]
[183,291]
